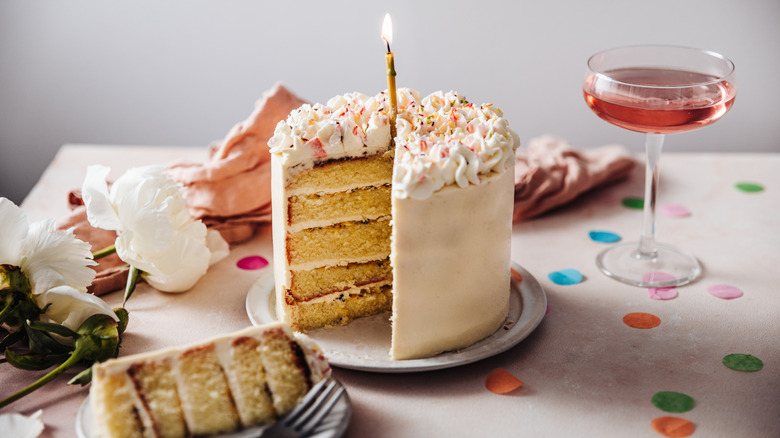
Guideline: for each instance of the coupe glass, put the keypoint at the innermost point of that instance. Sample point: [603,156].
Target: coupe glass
[656,90]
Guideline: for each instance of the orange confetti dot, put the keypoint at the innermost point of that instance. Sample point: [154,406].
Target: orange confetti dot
[516,275]
[641,320]
[673,426]
[500,381]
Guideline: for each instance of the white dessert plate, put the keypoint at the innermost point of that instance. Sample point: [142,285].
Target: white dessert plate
[333,425]
[364,344]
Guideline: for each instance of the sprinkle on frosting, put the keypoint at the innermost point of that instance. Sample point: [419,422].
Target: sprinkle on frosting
[449,140]
[441,140]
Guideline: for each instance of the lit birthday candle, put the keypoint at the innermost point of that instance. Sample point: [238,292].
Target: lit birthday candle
[387,35]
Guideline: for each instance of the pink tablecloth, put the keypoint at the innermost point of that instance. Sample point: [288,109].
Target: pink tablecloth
[585,372]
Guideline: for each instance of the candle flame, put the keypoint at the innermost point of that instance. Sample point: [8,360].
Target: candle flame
[387,30]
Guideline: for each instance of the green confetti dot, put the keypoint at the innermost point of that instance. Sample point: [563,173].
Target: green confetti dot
[743,362]
[749,187]
[670,401]
[637,203]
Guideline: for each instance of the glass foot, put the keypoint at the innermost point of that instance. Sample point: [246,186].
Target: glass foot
[669,267]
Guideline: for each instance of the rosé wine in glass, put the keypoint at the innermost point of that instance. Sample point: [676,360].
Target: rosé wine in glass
[656,90]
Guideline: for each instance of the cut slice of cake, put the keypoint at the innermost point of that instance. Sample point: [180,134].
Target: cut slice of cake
[247,378]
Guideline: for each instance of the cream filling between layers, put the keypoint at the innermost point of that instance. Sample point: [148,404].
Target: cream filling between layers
[338,262]
[324,224]
[335,189]
[337,296]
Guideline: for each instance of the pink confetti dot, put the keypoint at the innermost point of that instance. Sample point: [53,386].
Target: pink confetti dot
[252,263]
[657,276]
[662,293]
[674,210]
[724,291]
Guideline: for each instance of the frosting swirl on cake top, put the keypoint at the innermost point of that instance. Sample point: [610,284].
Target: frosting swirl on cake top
[449,140]
[441,139]
[349,125]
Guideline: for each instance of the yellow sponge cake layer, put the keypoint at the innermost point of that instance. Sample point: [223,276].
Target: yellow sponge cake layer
[113,401]
[339,308]
[338,175]
[321,281]
[285,364]
[246,378]
[350,241]
[308,211]
[155,384]
[206,411]
[253,400]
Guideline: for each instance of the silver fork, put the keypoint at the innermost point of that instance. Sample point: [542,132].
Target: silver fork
[309,413]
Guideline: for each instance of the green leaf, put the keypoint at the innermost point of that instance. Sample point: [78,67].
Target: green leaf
[11,339]
[124,319]
[82,378]
[41,343]
[132,279]
[52,328]
[34,362]
[98,338]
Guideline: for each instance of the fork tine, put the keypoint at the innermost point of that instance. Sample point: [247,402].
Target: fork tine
[312,410]
[321,413]
[307,401]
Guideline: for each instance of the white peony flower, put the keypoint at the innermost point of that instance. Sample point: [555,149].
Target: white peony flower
[156,233]
[48,257]
[21,426]
[70,307]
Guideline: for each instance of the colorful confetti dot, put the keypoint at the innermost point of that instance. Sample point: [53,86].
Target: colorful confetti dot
[641,320]
[743,362]
[724,291]
[749,187]
[603,236]
[662,293]
[501,381]
[565,277]
[670,401]
[252,263]
[673,427]
[674,210]
[657,276]
[635,203]
[516,275]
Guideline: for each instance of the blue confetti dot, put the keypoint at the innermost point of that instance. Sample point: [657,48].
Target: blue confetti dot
[604,236]
[565,277]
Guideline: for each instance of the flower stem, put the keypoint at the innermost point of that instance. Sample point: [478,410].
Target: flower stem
[74,358]
[107,251]
[6,310]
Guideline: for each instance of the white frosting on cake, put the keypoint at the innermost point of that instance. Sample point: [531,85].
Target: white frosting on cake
[451,266]
[318,364]
[449,141]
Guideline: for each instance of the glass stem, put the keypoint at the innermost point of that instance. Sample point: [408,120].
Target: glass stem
[653,145]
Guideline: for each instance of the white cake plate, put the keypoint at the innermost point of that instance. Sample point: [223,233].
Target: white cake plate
[364,343]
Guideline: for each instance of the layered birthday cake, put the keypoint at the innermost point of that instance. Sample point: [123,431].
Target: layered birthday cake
[247,378]
[419,224]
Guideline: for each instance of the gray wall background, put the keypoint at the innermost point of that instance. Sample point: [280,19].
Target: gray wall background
[168,72]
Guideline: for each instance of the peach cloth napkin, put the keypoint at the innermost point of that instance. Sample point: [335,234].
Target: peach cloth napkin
[550,173]
[231,190]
